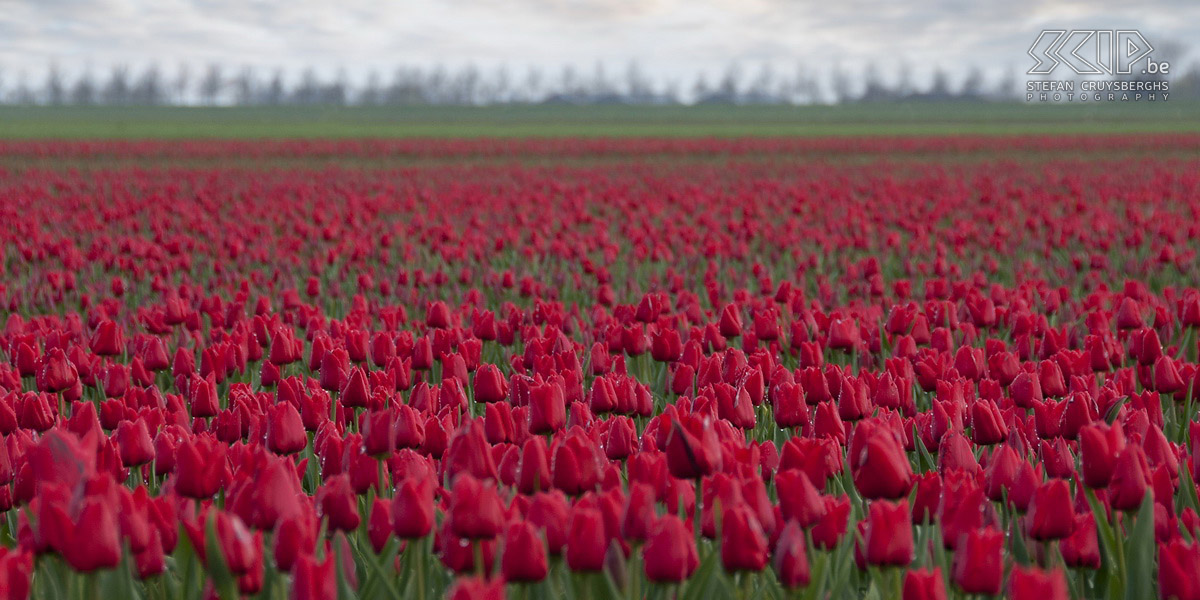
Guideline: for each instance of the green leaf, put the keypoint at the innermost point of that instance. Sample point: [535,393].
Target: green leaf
[1108,539]
[1139,576]
[1019,552]
[223,580]
[818,575]
[872,593]
[699,584]
[1114,410]
[345,592]
[1188,487]
[924,457]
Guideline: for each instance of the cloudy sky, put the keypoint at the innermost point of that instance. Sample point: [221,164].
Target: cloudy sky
[669,38]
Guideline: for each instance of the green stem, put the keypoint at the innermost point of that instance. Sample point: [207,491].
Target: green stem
[477,548]
[420,557]
[1121,574]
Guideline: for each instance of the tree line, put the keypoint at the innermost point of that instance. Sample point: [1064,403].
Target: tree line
[215,85]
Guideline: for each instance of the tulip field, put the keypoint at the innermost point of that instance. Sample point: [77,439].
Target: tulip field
[915,368]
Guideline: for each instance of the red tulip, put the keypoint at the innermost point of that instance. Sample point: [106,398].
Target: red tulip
[285,430]
[799,500]
[241,550]
[791,560]
[547,408]
[576,464]
[638,517]
[665,345]
[670,551]
[489,384]
[549,512]
[274,494]
[468,452]
[1179,570]
[475,508]
[1026,390]
[987,424]
[471,588]
[1099,447]
[199,467]
[57,373]
[94,540]
[379,524]
[1130,480]
[843,334]
[412,508]
[355,391]
[379,432]
[979,561]
[524,553]
[691,447]
[296,536]
[1051,513]
[889,534]
[586,542]
[827,533]
[730,322]
[743,543]
[337,502]
[438,315]
[107,339]
[924,584]
[1035,584]
[881,468]
[1082,548]
[133,441]
[313,579]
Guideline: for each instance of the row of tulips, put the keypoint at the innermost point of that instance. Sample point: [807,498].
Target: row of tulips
[149,150]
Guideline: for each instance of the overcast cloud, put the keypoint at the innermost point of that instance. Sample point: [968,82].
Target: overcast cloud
[670,39]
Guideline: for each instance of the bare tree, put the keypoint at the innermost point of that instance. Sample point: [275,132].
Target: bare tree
[23,94]
[84,91]
[601,89]
[211,85]
[533,85]
[874,89]
[728,88]
[568,82]
[372,92]
[149,88]
[501,88]
[638,88]
[309,89]
[670,92]
[436,86]
[940,88]
[116,91]
[839,84]
[55,92]
[806,89]
[179,87]
[335,93]
[700,89]
[973,85]
[274,94]
[904,81]
[759,90]
[465,87]
[1187,84]
[243,87]
[406,87]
